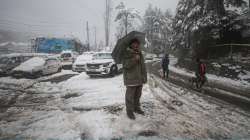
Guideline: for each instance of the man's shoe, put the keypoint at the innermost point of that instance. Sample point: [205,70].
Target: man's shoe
[139,111]
[131,115]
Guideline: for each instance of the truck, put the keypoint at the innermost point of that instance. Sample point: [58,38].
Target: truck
[57,45]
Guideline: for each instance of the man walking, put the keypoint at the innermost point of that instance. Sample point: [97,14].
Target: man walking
[164,65]
[135,75]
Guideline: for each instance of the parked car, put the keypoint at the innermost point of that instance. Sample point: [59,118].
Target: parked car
[102,64]
[150,56]
[68,58]
[37,67]
[10,61]
[81,61]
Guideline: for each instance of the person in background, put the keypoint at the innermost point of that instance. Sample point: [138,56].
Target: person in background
[200,73]
[135,75]
[164,65]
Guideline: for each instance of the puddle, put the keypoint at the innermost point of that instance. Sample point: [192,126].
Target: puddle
[114,109]
[70,95]
[177,103]
[84,109]
[148,133]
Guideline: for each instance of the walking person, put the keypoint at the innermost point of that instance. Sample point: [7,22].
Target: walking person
[135,75]
[200,73]
[164,65]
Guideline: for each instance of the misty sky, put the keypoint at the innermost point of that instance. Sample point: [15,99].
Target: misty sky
[65,17]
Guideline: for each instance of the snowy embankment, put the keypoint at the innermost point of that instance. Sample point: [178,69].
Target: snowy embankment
[239,87]
[22,84]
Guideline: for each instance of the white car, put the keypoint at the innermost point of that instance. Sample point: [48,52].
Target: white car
[10,61]
[150,56]
[81,61]
[103,64]
[68,58]
[37,67]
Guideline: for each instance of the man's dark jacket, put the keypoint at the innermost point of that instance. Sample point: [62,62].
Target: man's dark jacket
[134,72]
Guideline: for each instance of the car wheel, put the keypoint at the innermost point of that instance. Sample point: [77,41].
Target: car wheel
[113,71]
[37,75]
[60,69]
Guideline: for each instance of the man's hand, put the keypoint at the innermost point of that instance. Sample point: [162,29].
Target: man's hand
[137,57]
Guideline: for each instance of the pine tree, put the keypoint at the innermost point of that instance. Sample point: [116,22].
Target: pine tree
[157,26]
[199,24]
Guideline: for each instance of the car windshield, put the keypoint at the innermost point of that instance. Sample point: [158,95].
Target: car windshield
[103,56]
[66,55]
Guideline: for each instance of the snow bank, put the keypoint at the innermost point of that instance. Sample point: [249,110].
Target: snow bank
[108,91]
[11,83]
[52,125]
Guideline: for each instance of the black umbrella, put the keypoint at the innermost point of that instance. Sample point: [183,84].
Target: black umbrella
[123,43]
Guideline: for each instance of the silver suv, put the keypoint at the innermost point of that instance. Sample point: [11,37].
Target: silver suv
[102,64]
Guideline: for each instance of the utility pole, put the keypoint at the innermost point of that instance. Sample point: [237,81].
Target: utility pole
[88,44]
[95,38]
[107,18]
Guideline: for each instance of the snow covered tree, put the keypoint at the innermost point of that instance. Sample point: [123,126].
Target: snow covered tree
[157,26]
[200,24]
[126,17]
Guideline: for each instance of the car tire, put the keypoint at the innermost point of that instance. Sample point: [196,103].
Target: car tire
[60,69]
[37,75]
[113,71]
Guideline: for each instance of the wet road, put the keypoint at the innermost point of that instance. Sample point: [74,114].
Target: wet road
[182,81]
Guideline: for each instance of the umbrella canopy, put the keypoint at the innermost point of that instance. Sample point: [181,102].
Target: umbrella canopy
[123,43]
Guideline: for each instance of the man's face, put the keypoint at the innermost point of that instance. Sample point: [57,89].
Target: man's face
[135,45]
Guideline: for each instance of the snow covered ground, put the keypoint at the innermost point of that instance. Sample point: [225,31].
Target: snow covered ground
[82,108]
[80,105]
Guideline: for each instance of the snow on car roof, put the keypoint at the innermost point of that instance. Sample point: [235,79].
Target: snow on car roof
[83,58]
[85,55]
[28,65]
[88,53]
[67,51]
